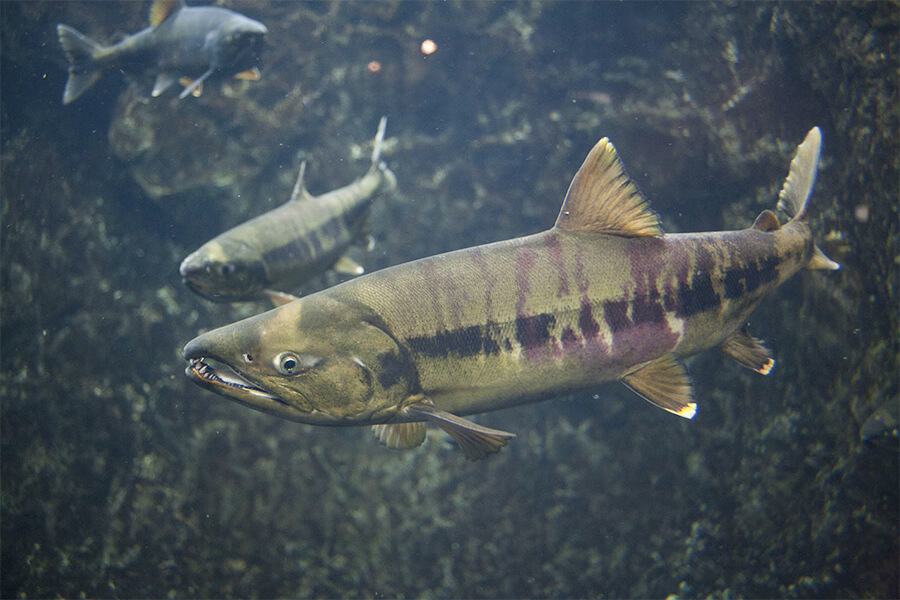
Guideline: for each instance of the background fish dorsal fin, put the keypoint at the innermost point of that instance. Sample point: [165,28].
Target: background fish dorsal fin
[602,199]
[161,9]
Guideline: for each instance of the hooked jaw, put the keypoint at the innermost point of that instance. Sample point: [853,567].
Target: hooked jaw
[215,374]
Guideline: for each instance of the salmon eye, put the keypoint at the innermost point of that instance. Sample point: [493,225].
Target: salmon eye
[287,363]
[291,363]
[227,269]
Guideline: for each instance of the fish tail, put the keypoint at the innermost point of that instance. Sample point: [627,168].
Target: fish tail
[377,163]
[81,52]
[794,196]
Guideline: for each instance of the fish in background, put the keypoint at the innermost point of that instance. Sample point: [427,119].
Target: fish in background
[279,250]
[603,296]
[183,44]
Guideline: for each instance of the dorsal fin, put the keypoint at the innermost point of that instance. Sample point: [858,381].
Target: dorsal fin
[300,192]
[161,9]
[602,199]
[766,221]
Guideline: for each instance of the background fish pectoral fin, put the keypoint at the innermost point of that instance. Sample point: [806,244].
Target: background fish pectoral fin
[664,382]
[163,82]
[401,436]
[348,266]
[197,83]
[476,441]
[748,351]
[280,298]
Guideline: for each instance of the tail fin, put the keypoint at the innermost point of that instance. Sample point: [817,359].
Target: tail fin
[798,186]
[794,196]
[376,154]
[80,50]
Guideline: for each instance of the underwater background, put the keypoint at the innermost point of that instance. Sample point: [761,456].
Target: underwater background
[120,478]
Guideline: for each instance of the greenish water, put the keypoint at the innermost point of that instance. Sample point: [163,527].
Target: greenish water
[120,478]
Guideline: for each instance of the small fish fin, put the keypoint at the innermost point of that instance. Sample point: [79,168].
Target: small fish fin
[798,186]
[347,266]
[251,74]
[664,382]
[819,262]
[766,221]
[377,145]
[476,441]
[196,90]
[193,86]
[370,242]
[602,199]
[163,82]
[400,436]
[300,192]
[748,351]
[80,51]
[160,10]
[280,298]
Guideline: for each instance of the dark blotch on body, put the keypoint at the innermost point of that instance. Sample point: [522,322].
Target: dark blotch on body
[746,278]
[588,325]
[534,331]
[465,341]
[391,369]
[696,297]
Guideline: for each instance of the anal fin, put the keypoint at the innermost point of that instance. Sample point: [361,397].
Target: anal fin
[476,441]
[664,382]
[401,436]
[748,351]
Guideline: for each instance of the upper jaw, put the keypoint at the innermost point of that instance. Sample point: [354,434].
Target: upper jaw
[219,377]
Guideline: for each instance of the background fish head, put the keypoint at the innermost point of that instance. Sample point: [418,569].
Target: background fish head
[315,360]
[225,271]
[238,44]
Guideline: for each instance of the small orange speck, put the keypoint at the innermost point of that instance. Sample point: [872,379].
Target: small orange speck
[428,47]
[374,66]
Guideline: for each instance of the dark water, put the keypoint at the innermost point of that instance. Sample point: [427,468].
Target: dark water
[122,479]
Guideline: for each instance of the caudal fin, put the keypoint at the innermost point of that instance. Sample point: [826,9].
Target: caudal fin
[81,51]
[794,196]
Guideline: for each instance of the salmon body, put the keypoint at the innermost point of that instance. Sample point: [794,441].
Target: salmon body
[280,249]
[602,296]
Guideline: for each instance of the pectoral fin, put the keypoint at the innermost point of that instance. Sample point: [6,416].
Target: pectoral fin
[163,82]
[280,298]
[248,75]
[748,351]
[401,436]
[664,382]
[194,85]
[476,441]
[348,266]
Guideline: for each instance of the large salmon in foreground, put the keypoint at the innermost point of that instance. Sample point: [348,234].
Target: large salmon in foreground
[604,295]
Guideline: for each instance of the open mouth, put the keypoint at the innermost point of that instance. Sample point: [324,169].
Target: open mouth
[217,375]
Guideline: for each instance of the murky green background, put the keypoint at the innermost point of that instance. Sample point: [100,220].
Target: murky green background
[122,479]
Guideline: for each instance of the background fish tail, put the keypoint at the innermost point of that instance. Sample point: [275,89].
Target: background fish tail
[81,52]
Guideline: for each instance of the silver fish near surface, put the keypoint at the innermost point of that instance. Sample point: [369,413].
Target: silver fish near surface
[277,251]
[186,44]
[602,296]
